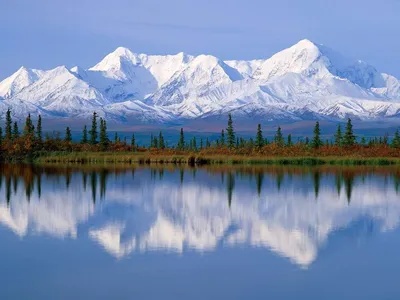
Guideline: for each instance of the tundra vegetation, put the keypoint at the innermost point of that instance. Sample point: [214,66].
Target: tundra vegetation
[95,146]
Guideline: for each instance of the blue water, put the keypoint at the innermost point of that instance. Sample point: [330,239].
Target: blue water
[209,233]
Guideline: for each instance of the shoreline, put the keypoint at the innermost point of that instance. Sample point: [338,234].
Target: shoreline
[199,159]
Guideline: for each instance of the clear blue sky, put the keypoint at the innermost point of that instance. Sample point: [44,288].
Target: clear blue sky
[44,34]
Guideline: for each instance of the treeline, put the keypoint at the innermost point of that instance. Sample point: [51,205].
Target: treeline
[31,143]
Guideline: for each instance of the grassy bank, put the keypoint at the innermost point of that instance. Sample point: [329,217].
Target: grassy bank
[205,159]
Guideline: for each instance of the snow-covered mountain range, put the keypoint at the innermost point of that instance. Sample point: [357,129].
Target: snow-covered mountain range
[305,81]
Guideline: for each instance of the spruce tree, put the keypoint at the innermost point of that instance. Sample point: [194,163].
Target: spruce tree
[103,138]
[289,141]
[259,137]
[181,142]
[279,140]
[133,142]
[161,142]
[194,144]
[15,134]
[155,143]
[338,136]
[385,140]
[39,129]
[93,130]
[28,128]
[250,143]
[317,142]
[84,139]
[230,133]
[363,141]
[396,140]
[222,140]
[191,145]
[208,144]
[116,138]
[68,135]
[201,144]
[349,139]
[242,143]
[1,136]
[8,129]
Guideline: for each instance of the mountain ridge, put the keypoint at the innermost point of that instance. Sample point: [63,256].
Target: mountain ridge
[304,81]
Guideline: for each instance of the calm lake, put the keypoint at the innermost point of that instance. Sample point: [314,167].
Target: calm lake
[203,233]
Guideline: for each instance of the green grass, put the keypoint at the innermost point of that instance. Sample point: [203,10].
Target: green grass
[197,159]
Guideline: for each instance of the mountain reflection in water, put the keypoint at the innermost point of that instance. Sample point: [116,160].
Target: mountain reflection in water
[293,211]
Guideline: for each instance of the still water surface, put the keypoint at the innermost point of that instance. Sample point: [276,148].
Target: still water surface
[208,233]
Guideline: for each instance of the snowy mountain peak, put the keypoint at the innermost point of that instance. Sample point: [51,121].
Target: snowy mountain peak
[115,61]
[306,80]
[304,58]
[306,44]
[123,52]
[214,67]
[18,81]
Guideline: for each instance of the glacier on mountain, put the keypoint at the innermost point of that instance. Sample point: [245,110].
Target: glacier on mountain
[305,81]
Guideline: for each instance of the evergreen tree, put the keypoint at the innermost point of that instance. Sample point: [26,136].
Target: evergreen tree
[133,142]
[250,143]
[155,142]
[15,134]
[289,141]
[222,140]
[279,140]
[181,143]
[29,128]
[1,140]
[103,136]
[307,141]
[93,131]
[385,140]
[8,129]
[338,136]
[363,141]
[39,130]
[84,135]
[317,142]
[116,138]
[396,140]
[242,142]
[230,133]
[194,144]
[161,142]
[191,145]
[201,144]
[259,137]
[68,135]
[349,139]
[208,144]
